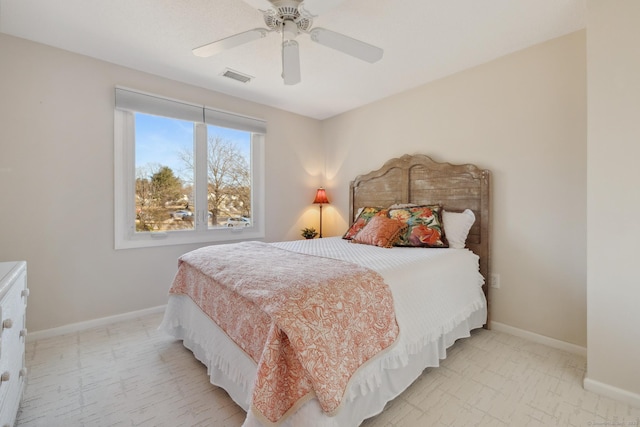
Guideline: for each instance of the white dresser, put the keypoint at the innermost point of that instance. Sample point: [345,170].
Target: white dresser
[13,303]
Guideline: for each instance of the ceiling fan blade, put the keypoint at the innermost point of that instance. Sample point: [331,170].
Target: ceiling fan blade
[313,8]
[260,4]
[230,42]
[346,44]
[290,62]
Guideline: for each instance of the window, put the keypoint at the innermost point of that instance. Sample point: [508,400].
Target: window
[185,173]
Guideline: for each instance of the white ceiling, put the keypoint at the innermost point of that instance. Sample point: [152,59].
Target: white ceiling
[423,40]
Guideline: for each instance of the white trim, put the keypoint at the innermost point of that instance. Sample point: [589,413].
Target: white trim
[540,339]
[610,391]
[82,326]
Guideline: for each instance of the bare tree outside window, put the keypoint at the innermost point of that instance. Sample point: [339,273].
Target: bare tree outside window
[228,179]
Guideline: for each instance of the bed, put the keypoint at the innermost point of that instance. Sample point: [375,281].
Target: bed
[437,295]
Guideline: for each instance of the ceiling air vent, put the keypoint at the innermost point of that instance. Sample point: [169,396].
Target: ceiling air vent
[235,75]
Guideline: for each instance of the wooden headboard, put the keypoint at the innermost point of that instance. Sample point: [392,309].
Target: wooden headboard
[421,180]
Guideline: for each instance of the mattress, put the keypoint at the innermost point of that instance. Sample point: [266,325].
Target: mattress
[437,298]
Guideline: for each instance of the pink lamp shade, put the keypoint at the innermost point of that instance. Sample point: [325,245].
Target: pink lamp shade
[321,197]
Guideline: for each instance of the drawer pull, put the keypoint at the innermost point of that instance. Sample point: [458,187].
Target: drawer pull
[6,375]
[25,293]
[7,324]
[23,333]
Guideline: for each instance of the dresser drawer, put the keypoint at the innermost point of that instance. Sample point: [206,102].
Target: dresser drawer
[12,391]
[13,302]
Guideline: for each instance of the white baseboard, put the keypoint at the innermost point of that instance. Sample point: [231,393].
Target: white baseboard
[610,391]
[540,339]
[81,326]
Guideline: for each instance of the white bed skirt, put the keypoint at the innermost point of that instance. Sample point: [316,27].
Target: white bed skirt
[372,387]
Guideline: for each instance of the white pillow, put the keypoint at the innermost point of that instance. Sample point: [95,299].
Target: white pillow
[457,226]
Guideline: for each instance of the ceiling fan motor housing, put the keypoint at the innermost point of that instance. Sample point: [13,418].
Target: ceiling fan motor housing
[283,15]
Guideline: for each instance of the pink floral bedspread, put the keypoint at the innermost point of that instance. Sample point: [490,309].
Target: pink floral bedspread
[308,322]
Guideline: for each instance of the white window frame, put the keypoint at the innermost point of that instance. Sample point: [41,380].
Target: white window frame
[129,101]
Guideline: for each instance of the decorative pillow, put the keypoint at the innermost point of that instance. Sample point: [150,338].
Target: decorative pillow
[380,231]
[402,205]
[424,226]
[457,226]
[362,219]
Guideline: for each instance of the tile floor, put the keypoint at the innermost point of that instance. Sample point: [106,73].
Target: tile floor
[129,374]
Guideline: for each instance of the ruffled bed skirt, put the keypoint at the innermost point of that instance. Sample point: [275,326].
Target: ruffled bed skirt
[369,390]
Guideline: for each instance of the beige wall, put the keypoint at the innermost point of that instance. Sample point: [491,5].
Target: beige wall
[56,182]
[613,198]
[523,117]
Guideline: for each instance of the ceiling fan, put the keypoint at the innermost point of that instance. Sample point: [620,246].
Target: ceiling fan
[290,18]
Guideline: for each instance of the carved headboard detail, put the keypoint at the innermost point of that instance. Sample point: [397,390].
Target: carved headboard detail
[421,180]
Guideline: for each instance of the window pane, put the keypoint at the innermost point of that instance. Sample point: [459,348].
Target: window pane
[165,185]
[229,177]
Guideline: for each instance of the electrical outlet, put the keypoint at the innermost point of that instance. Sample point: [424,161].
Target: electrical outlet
[495,281]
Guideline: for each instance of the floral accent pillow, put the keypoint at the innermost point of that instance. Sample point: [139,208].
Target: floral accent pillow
[424,226]
[363,218]
[380,231]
